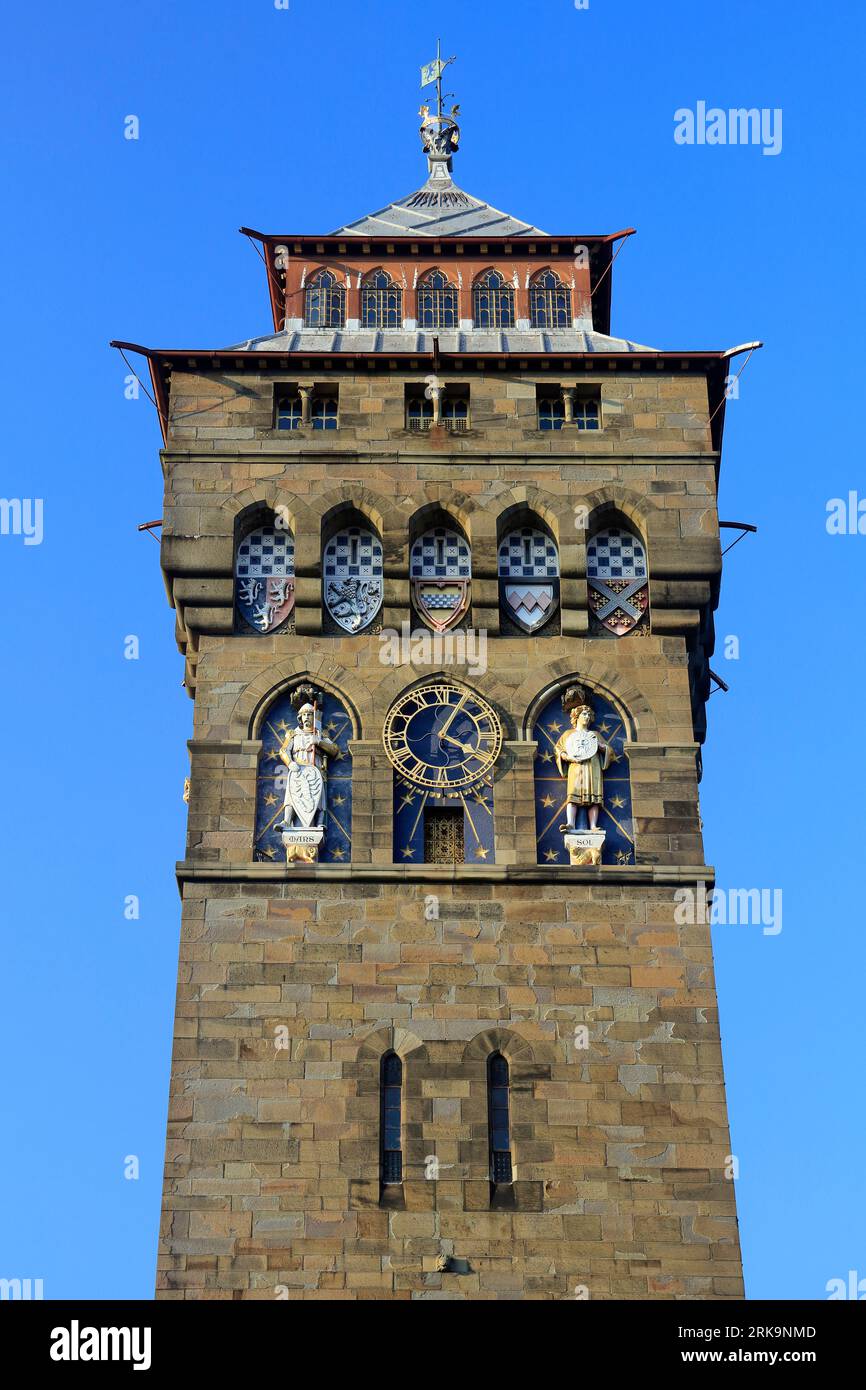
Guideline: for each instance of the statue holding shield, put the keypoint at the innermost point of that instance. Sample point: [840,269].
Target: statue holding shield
[305,751]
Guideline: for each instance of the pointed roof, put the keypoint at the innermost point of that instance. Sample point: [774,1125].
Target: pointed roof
[439,208]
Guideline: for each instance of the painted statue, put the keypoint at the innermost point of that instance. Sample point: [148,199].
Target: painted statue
[586,756]
[305,751]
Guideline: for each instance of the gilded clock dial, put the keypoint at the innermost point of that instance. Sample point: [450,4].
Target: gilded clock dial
[441,737]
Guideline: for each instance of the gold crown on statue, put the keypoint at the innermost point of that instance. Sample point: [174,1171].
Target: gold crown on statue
[575,697]
[306,695]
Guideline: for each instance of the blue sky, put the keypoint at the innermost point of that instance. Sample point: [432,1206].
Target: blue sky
[300,120]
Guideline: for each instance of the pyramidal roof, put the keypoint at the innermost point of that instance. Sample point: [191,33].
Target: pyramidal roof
[439,208]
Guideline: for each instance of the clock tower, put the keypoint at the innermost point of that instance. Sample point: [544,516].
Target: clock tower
[444,555]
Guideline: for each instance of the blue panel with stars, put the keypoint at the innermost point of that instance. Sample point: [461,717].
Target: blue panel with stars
[336,847]
[550,788]
[411,803]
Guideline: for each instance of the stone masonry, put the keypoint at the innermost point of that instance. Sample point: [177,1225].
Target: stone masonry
[620,1147]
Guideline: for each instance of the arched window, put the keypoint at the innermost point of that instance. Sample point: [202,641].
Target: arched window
[528,577]
[437,302]
[419,413]
[618,582]
[498,1120]
[549,301]
[381,302]
[265,578]
[440,567]
[551,412]
[352,577]
[324,413]
[325,302]
[493,301]
[455,413]
[391,1121]
[290,413]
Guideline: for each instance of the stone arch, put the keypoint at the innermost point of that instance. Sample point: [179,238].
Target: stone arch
[454,506]
[556,513]
[489,687]
[268,497]
[391,1039]
[512,1045]
[613,502]
[635,709]
[383,513]
[253,701]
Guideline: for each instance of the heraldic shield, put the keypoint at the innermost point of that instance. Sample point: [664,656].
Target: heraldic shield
[617,580]
[528,577]
[352,577]
[441,571]
[305,792]
[265,578]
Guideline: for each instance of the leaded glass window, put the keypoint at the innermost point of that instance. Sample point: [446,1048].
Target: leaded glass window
[324,413]
[551,413]
[455,412]
[586,415]
[419,413]
[498,1119]
[391,1088]
[437,302]
[549,302]
[325,302]
[289,413]
[381,302]
[493,301]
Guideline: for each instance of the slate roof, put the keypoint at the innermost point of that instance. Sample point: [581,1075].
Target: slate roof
[474,341]
[439,209]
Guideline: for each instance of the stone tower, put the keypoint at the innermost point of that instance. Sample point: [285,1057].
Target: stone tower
[444,556]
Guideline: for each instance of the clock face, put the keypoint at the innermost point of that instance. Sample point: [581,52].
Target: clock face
[442,737]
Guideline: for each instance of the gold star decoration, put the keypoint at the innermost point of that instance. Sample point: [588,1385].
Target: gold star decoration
[481,852]
[270,799]
[330,726]
[269,853]
[604,728]
[339,854]
[547,801]
[339,800]
[623,856]
[407,801]
[547,757]
[407,851]
[283,727]
[617,802]
[554,727]
[551,856]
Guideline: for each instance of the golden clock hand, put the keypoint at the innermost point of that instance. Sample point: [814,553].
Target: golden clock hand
[454,713]
[466,748]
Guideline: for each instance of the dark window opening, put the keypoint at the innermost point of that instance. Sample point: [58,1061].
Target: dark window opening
[498,1119]
[391,1085]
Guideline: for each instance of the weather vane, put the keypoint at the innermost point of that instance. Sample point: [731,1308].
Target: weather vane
[440,134]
